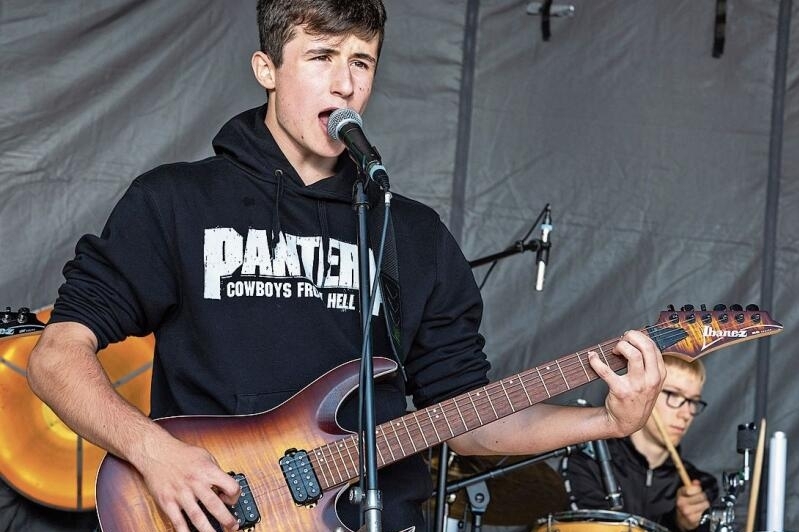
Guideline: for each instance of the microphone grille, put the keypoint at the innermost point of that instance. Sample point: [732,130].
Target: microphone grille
[338,118]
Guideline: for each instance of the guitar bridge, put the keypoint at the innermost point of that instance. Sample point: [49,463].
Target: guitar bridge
[300,477]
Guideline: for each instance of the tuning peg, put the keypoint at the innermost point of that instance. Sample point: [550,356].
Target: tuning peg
[752,308]
[6,315]
[687,308]
[670,308]
[736,307]
[703,307]
[23,314]
[720,307]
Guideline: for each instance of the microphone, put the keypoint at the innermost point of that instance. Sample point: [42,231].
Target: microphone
[602,456]
[345,125]
[611,486]
[555,10]
[543,251]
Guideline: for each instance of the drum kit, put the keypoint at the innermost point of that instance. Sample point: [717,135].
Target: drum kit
[520,491]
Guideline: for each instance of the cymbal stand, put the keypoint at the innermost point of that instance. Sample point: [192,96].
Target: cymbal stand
[722,516]
[479,497]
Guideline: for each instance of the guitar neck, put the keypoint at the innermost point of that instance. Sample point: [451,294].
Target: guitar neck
[337,462]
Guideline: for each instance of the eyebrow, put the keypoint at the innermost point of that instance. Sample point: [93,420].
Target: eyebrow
[324,50]
[677,392]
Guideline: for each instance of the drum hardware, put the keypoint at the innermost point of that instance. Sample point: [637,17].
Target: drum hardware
[515,501]
[722,516]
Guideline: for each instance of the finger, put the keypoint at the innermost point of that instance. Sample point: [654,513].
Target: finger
[217,508]
[650,354]
[176,517]
[601,368]
[628,347]
[227,487]
[198,517]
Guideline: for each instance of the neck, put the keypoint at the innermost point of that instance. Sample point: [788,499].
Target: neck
[310,167]
[654,451]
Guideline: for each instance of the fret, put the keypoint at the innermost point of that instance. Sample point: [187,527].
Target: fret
[320,468]
[479,420]
[349,454]
[603,355]
[388,444]
[524,387]
[323,462]
[377,446]
[491,403]
[460,414]
[543,382]
[562,375]
[587,377]
[408,432]
[338,449]
[433,423]
[416,418]
[507,396]
[335,463]
[396,435]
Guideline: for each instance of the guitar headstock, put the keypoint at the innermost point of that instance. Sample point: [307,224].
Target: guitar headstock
[690,333]
[19,322]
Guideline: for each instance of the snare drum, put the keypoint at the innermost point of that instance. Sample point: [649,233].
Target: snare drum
[596,521]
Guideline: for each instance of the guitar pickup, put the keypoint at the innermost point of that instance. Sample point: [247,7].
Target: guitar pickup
[245,511]
[300,477]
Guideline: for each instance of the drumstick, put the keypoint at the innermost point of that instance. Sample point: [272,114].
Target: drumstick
[686,480]
[750,513]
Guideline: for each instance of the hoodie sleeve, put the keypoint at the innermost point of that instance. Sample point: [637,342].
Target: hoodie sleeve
[121,283]
[446,355]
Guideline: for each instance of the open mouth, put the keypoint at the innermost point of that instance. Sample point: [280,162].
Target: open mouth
[324,117]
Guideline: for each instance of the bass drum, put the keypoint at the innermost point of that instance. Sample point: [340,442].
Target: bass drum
[42,458]
[596,521]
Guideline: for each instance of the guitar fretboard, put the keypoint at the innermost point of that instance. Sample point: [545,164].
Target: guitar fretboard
[337,462]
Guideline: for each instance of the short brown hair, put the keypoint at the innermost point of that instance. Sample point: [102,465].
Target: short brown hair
[695,367]
[278,18]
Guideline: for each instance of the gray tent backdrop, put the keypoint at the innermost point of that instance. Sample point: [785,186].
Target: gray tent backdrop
[673,175]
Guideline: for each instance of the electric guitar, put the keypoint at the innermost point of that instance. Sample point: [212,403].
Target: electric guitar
[294,461]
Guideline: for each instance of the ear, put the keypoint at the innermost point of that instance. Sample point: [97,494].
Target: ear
[264,70]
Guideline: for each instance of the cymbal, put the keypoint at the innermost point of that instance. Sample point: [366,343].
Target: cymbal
[42,458]
[518,497]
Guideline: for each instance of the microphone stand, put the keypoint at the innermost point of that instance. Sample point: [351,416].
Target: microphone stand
[369,496]
[519,247]
[538,245]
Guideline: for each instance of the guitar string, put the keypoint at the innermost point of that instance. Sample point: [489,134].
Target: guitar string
[567,362]
[563,365]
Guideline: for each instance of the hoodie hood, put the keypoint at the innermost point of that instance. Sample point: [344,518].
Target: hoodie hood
[247,142]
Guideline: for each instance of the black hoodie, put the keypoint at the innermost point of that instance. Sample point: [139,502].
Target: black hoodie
[249,280]
[646,492]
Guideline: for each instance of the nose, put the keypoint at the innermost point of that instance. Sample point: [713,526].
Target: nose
[342,83]
[686,411]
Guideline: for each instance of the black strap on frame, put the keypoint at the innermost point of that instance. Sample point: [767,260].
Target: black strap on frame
[719,28]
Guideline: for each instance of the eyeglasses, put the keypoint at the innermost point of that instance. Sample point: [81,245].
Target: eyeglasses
[676,400]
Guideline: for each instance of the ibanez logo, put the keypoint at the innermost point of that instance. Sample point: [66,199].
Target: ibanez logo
[708,331]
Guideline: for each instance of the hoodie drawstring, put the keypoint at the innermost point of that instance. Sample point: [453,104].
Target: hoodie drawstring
[322,213]
[276,214]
